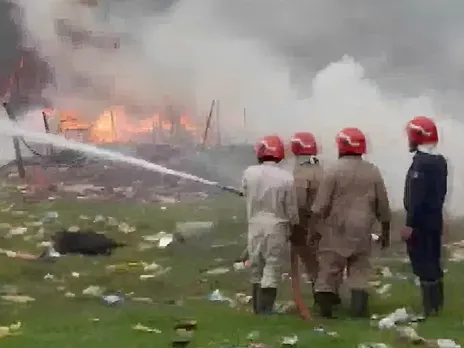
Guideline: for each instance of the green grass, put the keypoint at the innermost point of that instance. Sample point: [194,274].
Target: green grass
[54,320]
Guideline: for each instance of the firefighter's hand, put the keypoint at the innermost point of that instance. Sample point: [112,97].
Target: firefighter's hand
[232,190]
[405,233]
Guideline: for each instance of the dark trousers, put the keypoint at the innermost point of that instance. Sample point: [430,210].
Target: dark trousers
[424,251]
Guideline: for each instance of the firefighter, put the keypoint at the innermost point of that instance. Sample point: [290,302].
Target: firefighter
[424,195]
[307,175]
[271,211]
[351,198]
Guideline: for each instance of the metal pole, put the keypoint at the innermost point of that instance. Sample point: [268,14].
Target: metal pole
[17,148]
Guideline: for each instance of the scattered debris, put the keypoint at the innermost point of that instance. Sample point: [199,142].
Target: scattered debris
[73,229]
[140,327]
[165,241]
[390,321]
[18,231]
[113,299]
[10,330]
[217,296]
[126,228]
[18,298]
[290,341]
[446,343]
[93,290]
[98,218]
[218,271]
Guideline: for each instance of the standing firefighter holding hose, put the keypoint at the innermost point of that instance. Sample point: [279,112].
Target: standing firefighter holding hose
[424,195]
[351,198]
[272,212]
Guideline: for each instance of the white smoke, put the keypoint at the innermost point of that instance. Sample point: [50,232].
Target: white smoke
[193,53]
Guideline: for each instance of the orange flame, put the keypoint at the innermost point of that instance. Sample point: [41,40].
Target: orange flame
[114,125]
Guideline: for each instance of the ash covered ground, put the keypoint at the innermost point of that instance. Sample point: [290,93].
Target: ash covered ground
[67,174]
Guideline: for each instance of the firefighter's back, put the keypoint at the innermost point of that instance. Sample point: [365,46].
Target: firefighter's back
[355,189]
[267,186]
[433,169]
[307,178]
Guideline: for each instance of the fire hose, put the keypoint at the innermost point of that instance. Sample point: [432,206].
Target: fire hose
[296,253]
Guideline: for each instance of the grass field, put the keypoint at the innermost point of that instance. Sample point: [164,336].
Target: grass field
[57,319]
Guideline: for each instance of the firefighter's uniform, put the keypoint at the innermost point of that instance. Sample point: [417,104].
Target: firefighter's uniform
[271,210]
[351,199]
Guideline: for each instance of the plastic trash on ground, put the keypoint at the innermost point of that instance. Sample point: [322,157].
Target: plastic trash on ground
[290,341]
[447,343]
[113,299]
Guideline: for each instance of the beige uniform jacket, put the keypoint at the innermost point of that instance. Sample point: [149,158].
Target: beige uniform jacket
[270,195]
[351,198]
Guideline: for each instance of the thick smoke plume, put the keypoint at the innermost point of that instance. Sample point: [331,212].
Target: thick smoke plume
[300,65]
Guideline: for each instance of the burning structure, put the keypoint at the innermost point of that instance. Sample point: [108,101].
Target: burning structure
[162,131]
[115,125]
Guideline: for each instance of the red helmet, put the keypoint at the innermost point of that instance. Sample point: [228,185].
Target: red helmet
[351,141]
[304,144]
[270,146]
[422,130]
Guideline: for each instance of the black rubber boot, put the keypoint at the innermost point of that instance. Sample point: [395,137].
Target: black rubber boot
[429,294]
[325,302]
[267,300]
[359,304]
[256,295]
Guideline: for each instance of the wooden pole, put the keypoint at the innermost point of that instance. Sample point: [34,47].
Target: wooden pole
[46,125]
[218,124]
[47,130]
[113,126]
[208,123]
[244,124]
[17,148]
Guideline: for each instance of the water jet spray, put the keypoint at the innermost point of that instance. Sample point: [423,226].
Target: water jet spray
[10,128]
